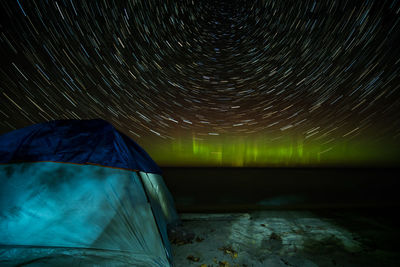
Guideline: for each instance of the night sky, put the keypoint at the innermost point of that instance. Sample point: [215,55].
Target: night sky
[212,83]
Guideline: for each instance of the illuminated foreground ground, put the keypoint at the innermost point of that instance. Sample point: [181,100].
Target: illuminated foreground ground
[290,238]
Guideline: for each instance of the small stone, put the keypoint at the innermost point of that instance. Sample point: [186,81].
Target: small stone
[275,236]
[199,239]
[193,258]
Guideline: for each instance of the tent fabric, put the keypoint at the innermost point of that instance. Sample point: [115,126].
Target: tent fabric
[161,202]
[75,141]
[58,205]
[56,256]
[110,209]
[159,196]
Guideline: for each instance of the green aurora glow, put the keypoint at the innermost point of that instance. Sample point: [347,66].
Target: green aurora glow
[257,152]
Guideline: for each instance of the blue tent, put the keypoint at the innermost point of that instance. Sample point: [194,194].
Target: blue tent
[79,192]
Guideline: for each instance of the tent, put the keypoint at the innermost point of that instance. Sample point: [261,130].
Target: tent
[81,193]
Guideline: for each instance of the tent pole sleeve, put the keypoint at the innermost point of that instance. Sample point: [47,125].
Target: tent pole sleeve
[151,207]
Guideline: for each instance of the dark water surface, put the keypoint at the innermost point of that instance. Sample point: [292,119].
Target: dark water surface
[244,189]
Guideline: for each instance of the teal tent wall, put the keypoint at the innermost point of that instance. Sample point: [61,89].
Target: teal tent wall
[61,213]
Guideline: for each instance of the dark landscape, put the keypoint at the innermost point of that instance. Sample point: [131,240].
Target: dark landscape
[241,189]
[287,216]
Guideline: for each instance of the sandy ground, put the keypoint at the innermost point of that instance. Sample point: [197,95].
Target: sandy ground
[287,238]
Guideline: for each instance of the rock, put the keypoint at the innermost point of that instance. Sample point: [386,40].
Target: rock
[199,239]
[275,236]
[230,251]
[178,236]
[193,258]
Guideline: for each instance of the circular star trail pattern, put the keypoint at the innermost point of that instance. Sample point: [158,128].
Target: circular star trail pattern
[167,71]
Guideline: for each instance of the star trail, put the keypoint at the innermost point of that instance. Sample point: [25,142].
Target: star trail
[230,83]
